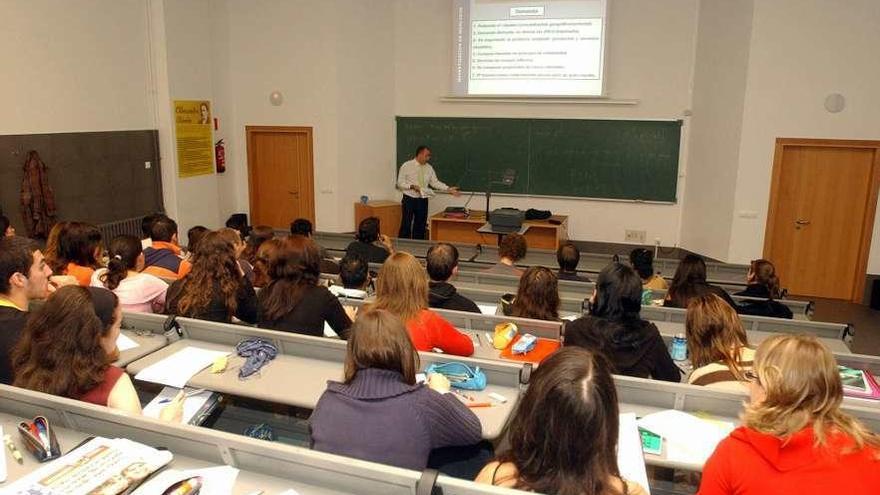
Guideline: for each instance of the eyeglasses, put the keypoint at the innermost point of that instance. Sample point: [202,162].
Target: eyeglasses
[752,377]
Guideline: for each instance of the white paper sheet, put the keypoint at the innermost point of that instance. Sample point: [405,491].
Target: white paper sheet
[688,439]
[488,309]
[124,343]
[180,367]
[571,317]
[191,405]
[630,459]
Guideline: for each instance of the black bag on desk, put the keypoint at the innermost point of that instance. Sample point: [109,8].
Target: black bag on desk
[533,214]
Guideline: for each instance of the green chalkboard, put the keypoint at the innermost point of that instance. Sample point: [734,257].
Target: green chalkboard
[614,159]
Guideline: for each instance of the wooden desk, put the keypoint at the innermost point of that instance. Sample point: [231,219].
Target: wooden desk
[388,213]
[541,234]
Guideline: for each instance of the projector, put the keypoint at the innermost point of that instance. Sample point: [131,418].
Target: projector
[506,219]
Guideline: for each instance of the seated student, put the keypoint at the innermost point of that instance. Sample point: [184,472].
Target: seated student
[642,261]
[369,244]
[68,347]
[162,258]
[138,292]
[442,265]
[6,228]
[717,344]
[238,222]
[354,273]
[634,346]
[794,439]
[24,276]
[265,254]
[402,289]
[690,282]
[215,289]
[511,249]
[293,301]
[568,256]
[379,413]
[537,296]
[193,236]
[303,227]
[233,237]
[73,249]
[259,235]
[147,229]
[571,397]
[763,283]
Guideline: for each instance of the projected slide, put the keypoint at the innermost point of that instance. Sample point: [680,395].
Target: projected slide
[545,48]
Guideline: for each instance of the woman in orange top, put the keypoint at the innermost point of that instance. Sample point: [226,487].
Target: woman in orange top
[402,289]
[74,248]
[794,439]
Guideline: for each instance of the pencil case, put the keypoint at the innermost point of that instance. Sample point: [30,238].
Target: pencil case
[460,375]
[504,334]
[44,444]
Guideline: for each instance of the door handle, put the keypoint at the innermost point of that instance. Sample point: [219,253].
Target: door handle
[801,222]
[293,193]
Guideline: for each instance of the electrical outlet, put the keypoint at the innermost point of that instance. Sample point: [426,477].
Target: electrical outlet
[634,236]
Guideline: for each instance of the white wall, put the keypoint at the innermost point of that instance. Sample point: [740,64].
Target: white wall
[650,58]
[336,77]
[74,66]
[718,96]
[802,50]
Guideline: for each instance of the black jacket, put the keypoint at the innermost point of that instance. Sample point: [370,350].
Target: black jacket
[699,290]
[571,276]
[11,325]
[318,305]
[768,307]
[216,310]
[444,296]
[634,347]
[370,252]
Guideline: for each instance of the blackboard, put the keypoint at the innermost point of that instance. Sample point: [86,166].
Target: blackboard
[609,159]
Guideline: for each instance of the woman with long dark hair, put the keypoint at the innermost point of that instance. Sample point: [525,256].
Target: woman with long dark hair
[571,398]
[763,283]
[690,282]
[215,289]
[615,327]
[139,292]
[717,344]
[538,295]
[68,348]
[293,301]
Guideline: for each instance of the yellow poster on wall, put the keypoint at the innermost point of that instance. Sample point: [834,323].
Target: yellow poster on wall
[195,148]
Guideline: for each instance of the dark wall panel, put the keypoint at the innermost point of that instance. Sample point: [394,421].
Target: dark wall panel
[97,177]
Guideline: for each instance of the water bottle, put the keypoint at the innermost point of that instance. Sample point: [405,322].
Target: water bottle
[679,347]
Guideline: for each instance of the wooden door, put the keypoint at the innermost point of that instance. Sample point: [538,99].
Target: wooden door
[822,202]
[280,174]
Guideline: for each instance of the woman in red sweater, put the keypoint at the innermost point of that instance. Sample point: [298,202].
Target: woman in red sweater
[794,439]
[402,289]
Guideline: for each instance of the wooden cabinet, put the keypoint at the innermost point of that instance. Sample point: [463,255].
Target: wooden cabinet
[388,213]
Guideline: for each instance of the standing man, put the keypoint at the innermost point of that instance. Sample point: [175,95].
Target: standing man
[418,181]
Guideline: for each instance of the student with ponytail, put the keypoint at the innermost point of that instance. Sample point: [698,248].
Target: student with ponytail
[763,283]
[139,292]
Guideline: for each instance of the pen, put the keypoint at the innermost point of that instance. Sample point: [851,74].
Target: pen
[12,448]
[479,404]
[462,394]
[186,395]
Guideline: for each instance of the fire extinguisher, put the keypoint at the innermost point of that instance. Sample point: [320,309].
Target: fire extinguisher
[220,156]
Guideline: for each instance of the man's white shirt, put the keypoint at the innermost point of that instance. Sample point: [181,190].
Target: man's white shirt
[414,174]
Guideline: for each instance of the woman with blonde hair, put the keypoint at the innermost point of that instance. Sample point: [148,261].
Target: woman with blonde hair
[717,344]
[402,289]
[794,439]
[379,413]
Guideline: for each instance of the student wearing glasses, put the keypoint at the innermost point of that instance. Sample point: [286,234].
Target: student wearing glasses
[794,439]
